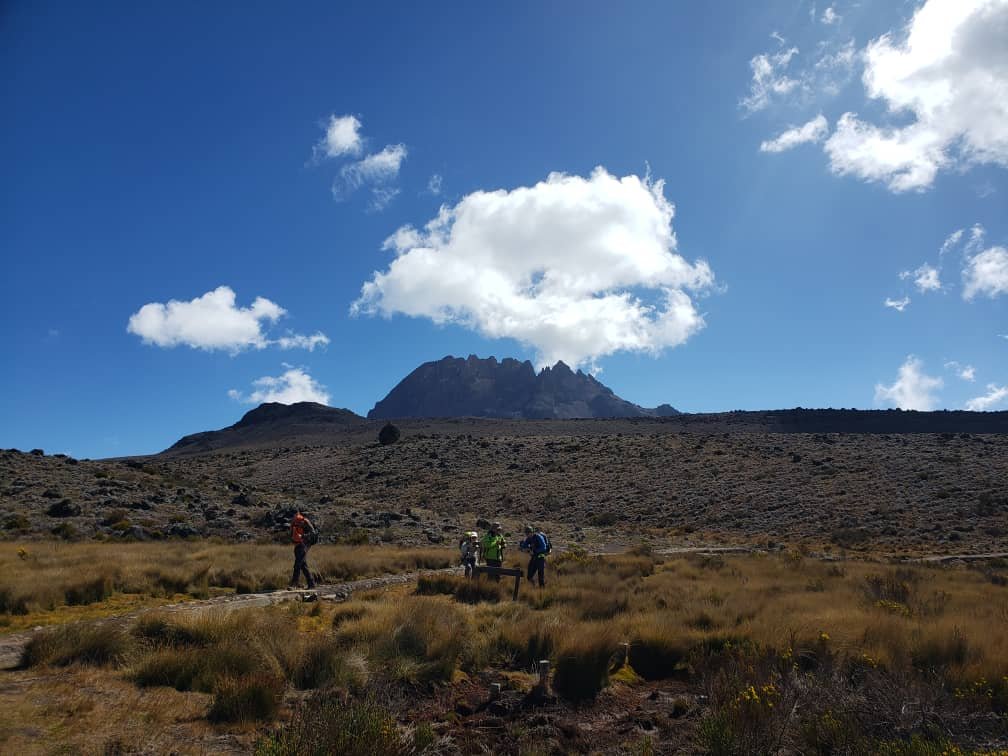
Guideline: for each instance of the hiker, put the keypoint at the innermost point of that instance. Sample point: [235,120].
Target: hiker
[538,545]
[301,528]
[469,547]
[492,546]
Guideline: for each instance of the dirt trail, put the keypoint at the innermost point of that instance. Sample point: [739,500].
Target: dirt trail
[12,645]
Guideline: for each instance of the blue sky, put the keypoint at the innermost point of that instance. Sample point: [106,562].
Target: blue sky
[156,154]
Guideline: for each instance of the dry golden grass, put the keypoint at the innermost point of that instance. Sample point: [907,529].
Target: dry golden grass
[790,653]
[45,583]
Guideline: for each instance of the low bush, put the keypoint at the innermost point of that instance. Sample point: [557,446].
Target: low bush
[466,590]
[426,641]
[319,663]
[351,610]
[250,698]
[583,664]
[13,602]
[199,669]
[656,655]
[328,724]
[525,642]
[602,606]
[89,590]
[940,651]
[168,630]
[96,645]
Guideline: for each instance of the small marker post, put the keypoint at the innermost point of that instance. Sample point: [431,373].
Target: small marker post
[544,667]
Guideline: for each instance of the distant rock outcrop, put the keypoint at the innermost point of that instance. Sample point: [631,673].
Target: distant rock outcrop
[456,387]
[272,423]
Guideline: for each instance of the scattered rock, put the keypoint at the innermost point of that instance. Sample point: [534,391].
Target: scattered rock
[245,500]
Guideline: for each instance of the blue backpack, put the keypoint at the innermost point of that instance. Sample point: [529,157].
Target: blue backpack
[547,547]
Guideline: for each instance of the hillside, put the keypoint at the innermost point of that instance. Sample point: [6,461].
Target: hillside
[676,480]
[272,423]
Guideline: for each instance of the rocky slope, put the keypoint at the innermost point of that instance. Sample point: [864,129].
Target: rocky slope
[592,481]
[456,387]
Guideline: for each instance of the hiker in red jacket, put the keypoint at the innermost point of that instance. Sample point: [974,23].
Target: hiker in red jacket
[301,527]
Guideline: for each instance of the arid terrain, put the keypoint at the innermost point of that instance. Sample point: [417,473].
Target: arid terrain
[141,599]
[592,482]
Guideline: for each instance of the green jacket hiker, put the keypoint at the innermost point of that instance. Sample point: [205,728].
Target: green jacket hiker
[493,545]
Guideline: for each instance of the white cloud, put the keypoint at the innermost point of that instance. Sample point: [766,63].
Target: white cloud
[949,73]
[832,70]
[576,267]
[434,184]
[986,273]
[342,137]
[212,321]
[995,395]
[300,341]
[295,385]
[966,372]
[951,242]
[913,389]
[830,16]
[926,278]
[376,171]
[813,131]
[976,240]
[769,78]
[897,304]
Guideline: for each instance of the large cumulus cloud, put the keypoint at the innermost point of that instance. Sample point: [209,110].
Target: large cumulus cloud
[576,267]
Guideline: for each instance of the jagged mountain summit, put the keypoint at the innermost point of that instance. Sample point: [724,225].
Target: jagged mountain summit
[474,387]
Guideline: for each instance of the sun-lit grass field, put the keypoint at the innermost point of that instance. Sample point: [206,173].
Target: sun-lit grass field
[737,654]
[45,582]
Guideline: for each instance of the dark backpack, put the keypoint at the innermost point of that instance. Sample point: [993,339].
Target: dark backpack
[311,537]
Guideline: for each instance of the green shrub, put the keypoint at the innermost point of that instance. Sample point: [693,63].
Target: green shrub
[716,736]
[250,698]
[96,645]
[582,665]
[328,724]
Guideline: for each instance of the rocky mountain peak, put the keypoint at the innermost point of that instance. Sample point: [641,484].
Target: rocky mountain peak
[475,387]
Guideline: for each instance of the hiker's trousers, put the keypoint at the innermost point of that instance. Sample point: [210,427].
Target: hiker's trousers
[301,565]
